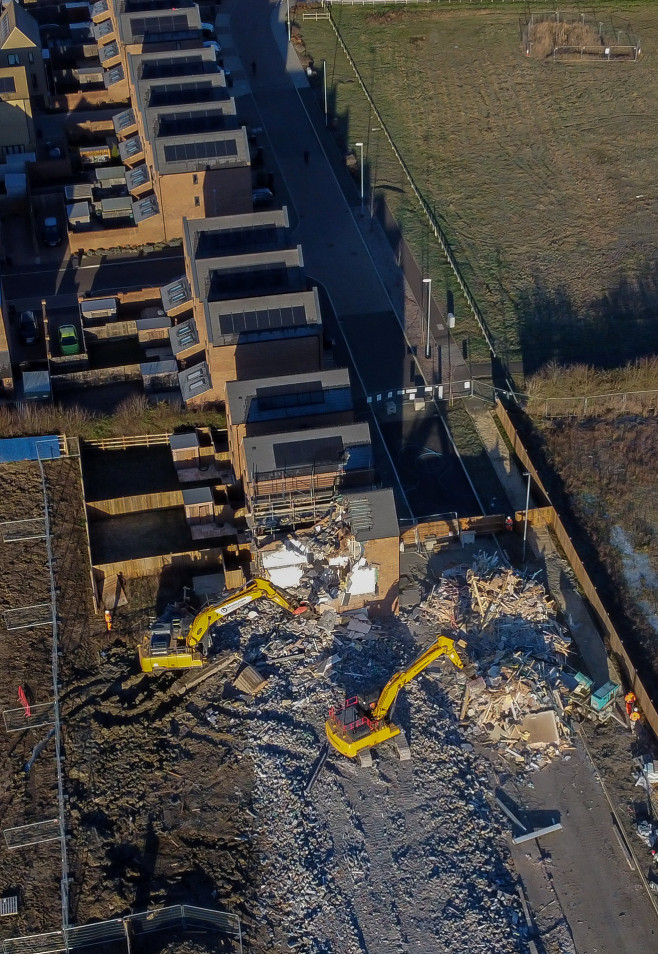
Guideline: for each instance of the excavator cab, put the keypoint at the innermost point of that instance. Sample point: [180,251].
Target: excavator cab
[360,724]
[164,645]
[183,642]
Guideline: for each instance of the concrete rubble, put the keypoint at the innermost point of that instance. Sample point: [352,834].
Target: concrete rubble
[406,853]
[322,563]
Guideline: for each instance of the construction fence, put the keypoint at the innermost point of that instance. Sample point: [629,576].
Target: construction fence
[132,934]
[550,517]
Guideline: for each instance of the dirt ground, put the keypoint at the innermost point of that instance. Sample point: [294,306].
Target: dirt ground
[605,480]
[200,798]
[30,796]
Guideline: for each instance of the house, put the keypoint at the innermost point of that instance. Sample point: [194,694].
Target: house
[273,405]
[23,84]
[291,478]
[245,304]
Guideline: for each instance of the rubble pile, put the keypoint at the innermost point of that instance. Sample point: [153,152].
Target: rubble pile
[320,564]
[507,624]
[371,858]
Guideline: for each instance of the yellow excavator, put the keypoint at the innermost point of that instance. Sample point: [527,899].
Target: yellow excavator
[182,642]
[360,725]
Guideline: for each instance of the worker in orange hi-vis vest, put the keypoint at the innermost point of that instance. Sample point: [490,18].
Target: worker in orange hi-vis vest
[629,699]
[108,620]
[635,717]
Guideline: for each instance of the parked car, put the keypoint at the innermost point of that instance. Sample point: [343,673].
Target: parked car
[52,235]
[261,197]
[28,328]
[69,340]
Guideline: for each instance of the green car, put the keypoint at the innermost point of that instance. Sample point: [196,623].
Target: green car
[69,341]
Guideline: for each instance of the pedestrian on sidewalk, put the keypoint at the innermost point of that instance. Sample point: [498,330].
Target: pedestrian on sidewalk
[307,156]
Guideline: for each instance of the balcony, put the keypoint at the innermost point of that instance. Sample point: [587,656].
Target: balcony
[104,32]
[131,151]
[125,123]
[109,55]
[176,297]
[184,339]
[100,11]
[138,180]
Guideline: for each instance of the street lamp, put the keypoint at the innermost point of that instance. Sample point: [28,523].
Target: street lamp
[428,282]
[525,522]
[324,77]
[288,19]
[451,324]
[359,145]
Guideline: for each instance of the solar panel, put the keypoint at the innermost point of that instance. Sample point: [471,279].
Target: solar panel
[212,149]
[178,94]
[290,395]
[162,24]
[235,240]
[321,450]
[189,123]
[250,281]
[176,66]
[265,319]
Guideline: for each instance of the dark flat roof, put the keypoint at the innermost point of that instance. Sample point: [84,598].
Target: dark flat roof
[372,515]
[323,447]
[274,398]
[272,315]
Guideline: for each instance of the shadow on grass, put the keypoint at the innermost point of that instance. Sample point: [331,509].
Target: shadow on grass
[618,327]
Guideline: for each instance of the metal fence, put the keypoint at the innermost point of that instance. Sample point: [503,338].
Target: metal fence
[132,934]
[619,402]
[425,206]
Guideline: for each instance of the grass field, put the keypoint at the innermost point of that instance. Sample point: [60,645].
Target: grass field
[542,174]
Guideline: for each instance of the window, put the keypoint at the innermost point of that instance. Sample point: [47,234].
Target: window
[7,84]
[13,59]
[13,150]
[196,202]
[30,57]
[195,179]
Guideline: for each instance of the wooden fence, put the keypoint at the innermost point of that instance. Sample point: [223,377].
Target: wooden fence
[615,642]
[123,443]
[432,531]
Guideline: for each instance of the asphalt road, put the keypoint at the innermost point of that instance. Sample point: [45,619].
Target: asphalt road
[101,276]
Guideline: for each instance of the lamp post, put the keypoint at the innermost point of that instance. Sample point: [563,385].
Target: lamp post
[451,324]
[288,19]
[359,145]
[428,282]
[525,522]
[324,77]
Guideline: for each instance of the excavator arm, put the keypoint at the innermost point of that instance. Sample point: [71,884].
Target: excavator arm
[442,647]
[254,590]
